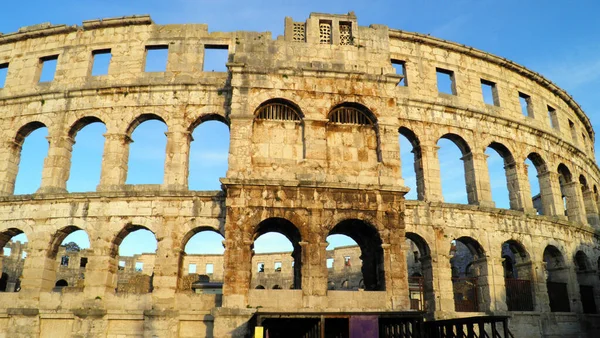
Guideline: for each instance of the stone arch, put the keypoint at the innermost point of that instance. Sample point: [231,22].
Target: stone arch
[417,161]
[518,272]
[352,134]
[581,261]
[118,239]
[544,201]
[59,237]
[420,277]
[288,229]
[279,109]
[15,159]
[72,159]
[82,123]
[7,234]
[141,119]
[61,283]
[182,285]
[209,117]
[471,288]
[589,202]
[511,174]
[468,165]
[260,287]
[557,279]
[570,193]
[27,129]
[368,239]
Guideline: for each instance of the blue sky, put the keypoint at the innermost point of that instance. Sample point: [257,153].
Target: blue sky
[555,38]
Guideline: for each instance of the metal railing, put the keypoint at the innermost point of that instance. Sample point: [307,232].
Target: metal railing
[472,327]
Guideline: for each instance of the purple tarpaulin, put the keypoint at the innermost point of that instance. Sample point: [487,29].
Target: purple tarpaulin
[364,327]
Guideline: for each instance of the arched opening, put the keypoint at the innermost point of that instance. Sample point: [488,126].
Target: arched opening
[344,263]
[209,153]
[202,255]
[14,244]
[277,254]
[147,150]
[368,240]
[86,160]
[568,191]
[60,284]
[458,184]
[70,249]
[469,275]
[278,132]
[412,166]
[517,277]
[353,143]
[32,149]
[420,273]
[557,278]
[537,174]
[503,177]
[586,278]
[589,202]
[134,250]
[260,287]
[277,287]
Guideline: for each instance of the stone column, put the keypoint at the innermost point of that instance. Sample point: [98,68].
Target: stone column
[391,173]
[591,209]
[177,160]
[496,288]
[427,169]
[57,165]
[237,262]
[396,276]
[575,210]
[477,179]
[114,161]
[101,269]
[442,285]
[240,147]
[518,187]
[314,273]
[573,288]
[429,295]
[540,290]
[166,264]
[39,270]
[551,195]
[10,155]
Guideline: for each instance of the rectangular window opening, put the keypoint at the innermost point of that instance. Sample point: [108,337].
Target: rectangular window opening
[260,267]
[48,68]
[121,265]
[277,266]
[445,81]
[490,93]
[400,67]
[210,269]
[23,255]
[191,268]
[100,62]
[346,260]
[139,266]
[573,131]
[64,261]
[7,251]
[3,74]
[553,117]
[329,263]
[156,58]
[346,37]
[215,58]
[83,262]
[525,101]
[325,32]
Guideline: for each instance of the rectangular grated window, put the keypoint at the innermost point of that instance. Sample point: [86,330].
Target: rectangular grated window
[215,58]
[525,102]
[346,34]
[3,74]
[47,68]
[400,67]
[553,117]
[156,58]
[299,33]
[100,62]
[325,32]
[445,81]
[490,93]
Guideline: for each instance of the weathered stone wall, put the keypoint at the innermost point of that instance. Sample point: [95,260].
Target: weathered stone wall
[335,169]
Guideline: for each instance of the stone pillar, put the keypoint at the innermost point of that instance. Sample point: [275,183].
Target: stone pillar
[315,141]
[540,290]
[429,295]
[442,286]
[518,187]
[39,270]
[575,210]
[573,288]
[177,160]
[391,172]
[166,264]
[496,288]
[57,165]
[10,155]
[101,269]
[477,179]
[551,195]
[396,276]
[314,273]
[237,262]
[114,161]
[591,208]
[427,169]
[240,147]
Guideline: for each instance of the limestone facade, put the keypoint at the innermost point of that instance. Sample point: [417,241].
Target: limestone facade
[314,118]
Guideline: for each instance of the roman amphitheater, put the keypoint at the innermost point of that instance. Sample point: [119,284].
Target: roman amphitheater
[315,118]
